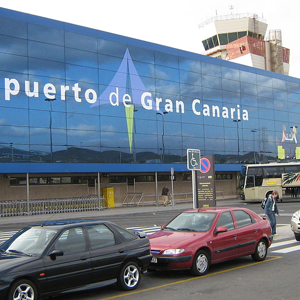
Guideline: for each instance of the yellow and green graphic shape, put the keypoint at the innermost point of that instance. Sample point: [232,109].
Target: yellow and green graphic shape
[129,118]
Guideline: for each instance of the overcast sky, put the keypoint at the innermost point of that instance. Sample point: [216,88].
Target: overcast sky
[172,23]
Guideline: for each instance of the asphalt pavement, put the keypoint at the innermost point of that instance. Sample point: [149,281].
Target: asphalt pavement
[125,210]
[283,231]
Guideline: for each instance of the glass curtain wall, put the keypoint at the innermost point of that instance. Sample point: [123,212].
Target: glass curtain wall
[69,97]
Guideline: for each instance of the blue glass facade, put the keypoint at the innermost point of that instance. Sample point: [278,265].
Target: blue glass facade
[75,99]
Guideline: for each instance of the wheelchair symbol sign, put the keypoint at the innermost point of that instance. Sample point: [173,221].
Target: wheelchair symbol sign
[193,159]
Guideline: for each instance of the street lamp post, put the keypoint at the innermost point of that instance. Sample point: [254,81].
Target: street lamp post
[238,137]
[134,136]
[253,131]
[163,134]
[50,127]
[12,152]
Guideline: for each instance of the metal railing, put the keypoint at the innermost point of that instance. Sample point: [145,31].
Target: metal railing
[132,199]
[50,206]
[137,199]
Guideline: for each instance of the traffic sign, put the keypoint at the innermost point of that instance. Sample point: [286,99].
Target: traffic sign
[193,159]
[204,165]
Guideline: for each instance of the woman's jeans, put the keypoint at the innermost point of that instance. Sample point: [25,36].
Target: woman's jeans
[272,219]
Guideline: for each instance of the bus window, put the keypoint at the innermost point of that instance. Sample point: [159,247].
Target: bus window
[254,177]
[292,168]
[253,181]
[250,181]
[273,172]
[244,169]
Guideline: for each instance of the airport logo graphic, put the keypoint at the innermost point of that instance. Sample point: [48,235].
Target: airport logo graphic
[128,85]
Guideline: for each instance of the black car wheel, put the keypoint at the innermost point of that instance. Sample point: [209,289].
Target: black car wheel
[201,263]
[129,277]
[22,289]
[297,237]
[261,251]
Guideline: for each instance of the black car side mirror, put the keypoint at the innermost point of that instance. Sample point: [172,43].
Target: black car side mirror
[56,253]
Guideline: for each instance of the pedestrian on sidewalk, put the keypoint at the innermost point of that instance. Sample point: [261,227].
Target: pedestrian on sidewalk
[165,195]
[271,209]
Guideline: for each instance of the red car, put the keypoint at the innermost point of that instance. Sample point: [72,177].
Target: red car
[197,238]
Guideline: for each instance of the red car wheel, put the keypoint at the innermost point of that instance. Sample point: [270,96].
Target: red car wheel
[201,263]
[261,251]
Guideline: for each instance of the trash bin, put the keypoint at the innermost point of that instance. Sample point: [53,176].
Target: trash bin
[109,195]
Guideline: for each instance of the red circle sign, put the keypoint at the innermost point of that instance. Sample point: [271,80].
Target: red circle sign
[204,165]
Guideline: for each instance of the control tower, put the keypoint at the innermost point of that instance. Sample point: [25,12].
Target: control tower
[243,39]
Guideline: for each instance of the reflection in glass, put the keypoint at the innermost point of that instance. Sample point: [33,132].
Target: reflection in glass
[72,130]
[80,41]
[45,34]
[45,51]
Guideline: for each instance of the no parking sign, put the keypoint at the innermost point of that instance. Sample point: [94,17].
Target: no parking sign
[206,192]
[204,165]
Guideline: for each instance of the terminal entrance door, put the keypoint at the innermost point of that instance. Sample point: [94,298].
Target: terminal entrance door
[130,184]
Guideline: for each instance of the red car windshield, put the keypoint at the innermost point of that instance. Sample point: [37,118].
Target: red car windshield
[191,221]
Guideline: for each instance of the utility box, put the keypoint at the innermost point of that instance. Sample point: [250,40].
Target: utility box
[109,195]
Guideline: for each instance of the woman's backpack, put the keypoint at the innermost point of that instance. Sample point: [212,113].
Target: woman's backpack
[263,203]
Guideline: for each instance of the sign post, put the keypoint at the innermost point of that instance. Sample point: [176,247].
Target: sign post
[172,186]
[193,164]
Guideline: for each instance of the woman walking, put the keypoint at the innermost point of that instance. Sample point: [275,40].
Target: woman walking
[271,209]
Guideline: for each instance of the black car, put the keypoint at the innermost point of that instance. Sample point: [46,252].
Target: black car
[58,256]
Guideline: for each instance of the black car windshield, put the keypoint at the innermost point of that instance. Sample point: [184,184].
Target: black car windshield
[191,221]
[31,242]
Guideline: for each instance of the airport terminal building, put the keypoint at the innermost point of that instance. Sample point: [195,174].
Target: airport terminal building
[82,110]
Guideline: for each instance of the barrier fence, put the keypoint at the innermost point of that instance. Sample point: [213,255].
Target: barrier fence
[50,206]
[137,199]
[53,206]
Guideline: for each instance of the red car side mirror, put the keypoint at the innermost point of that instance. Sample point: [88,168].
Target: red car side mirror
[221,229]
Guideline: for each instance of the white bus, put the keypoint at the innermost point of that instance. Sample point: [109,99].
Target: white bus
[259,180]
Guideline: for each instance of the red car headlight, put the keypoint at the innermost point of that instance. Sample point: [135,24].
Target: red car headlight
[173,251]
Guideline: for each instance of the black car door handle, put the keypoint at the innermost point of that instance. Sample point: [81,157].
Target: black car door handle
[84,257]
[121,250]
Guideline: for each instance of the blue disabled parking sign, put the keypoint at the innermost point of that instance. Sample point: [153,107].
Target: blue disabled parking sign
[193,159]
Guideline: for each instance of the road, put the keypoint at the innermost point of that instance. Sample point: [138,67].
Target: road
[275,278]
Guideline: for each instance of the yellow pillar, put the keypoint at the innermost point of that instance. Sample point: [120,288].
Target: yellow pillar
[280,152]
[297,152]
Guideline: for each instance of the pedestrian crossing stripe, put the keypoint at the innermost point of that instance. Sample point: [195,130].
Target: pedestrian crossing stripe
[287,250]
[7,233]
[284,243]
[147,230]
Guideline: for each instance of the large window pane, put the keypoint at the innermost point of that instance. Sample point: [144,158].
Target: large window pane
[46,51]
[46,34]
[88,43]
